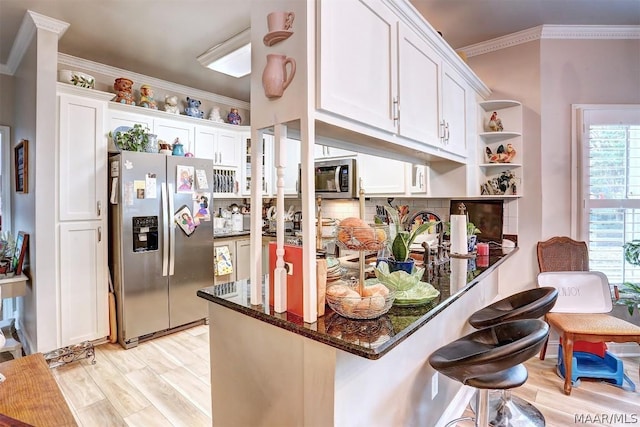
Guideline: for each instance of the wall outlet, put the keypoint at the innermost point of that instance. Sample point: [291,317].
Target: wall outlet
[434,385]
[288,266]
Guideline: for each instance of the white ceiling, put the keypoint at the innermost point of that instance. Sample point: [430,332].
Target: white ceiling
[162,38]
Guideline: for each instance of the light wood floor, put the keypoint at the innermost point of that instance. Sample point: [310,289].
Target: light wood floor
[165,382]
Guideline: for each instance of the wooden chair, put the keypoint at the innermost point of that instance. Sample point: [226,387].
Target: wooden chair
[563,254]
[580,314]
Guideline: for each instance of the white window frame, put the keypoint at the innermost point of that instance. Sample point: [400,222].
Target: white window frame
[582,115]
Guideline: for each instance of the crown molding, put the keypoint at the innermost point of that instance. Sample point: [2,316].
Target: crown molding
[31,22]
[107,70]
[567,32]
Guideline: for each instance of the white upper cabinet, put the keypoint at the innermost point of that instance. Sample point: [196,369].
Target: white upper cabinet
[381,176]
[119,118]
[83,158]
[206,143]
[419,88]
[326,152]
[229,148]
[358,61]
[170,130]
[377,71]
[454,112]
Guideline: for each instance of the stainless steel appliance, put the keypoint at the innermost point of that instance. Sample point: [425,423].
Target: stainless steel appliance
[157,264]
[336,179]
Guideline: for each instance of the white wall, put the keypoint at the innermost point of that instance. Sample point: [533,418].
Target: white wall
[34,212]
[548,76]
[577,72]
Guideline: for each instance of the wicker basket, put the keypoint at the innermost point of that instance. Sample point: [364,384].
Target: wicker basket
[369,238]
[356,307]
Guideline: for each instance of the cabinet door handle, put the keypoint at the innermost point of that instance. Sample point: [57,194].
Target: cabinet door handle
[99,208]
[99,234]
[446,128]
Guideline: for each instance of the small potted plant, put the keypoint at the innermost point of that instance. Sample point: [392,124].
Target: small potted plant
[629,294]
[400,244]
[137,138]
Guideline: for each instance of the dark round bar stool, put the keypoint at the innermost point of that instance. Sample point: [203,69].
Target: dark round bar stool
[505,409]
[491,358]
[529,304]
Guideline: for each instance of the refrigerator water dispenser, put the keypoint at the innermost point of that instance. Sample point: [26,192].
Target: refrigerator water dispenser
[145,233]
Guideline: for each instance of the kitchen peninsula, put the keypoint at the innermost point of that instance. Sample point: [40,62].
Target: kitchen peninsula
[275,369]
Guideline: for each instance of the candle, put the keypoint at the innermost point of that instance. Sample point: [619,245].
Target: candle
[483,249]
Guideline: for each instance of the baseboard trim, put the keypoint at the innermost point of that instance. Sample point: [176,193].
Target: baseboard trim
[457,406]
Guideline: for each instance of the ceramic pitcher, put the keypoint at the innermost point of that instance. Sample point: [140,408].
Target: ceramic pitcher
[274,77]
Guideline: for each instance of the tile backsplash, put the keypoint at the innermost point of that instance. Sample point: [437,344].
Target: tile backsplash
[347,208]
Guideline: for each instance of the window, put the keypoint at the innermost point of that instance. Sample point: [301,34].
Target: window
[609,164]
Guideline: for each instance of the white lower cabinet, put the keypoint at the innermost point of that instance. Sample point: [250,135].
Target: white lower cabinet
[84,291]
[243,255]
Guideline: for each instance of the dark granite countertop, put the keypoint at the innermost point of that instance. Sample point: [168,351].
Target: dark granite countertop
[366,338]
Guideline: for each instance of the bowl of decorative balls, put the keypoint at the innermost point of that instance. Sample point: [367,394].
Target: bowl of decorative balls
[376,300]
[356,235]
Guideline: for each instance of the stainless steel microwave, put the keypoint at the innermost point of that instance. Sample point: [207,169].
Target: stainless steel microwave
[336,179]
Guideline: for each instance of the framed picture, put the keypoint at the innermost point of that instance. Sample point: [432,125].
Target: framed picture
[22,242]
[21,159]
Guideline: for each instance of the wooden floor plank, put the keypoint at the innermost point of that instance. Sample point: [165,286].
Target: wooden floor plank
[190,386]
[77,385]
[100,414]
[149,416]
[124,397]
[169,401]
[124,361]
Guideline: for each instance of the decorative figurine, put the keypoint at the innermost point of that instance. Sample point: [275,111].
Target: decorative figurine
[193,108]
[215,115]
[171,104]
[124,91]
[146,98]
[502,155]
[495,124]
[233,117]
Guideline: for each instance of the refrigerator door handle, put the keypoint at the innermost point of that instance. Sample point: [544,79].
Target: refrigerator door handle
[172,230]
[165,229]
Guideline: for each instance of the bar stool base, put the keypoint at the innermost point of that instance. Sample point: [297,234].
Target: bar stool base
[506,410]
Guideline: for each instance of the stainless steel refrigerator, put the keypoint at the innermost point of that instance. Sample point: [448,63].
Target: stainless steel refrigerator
[161,241]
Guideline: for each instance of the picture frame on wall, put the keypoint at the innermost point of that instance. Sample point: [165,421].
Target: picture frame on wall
[21,166]
[22,243]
